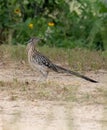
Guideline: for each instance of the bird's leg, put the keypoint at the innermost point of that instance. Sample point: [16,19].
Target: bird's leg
[43,77]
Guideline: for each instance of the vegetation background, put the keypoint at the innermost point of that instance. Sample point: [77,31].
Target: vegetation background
[61,23]
[79,26]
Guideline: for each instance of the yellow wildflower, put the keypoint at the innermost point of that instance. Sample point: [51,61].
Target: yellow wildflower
[51,24]
[30,25]
[17,11]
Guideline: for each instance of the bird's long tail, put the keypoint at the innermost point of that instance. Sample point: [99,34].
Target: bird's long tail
[63,70]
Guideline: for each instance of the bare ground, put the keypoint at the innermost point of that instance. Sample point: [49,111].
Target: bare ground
[62,103]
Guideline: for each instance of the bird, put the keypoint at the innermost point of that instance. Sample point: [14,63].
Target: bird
[44,65]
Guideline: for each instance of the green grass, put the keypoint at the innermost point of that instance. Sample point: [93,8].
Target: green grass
[12,52]
[76,59]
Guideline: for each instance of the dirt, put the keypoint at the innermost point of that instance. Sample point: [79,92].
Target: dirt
[27,110]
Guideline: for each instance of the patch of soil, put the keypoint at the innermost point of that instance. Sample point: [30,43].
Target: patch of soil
[62,103]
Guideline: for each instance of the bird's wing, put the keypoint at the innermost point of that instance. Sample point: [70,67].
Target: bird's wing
[43,60]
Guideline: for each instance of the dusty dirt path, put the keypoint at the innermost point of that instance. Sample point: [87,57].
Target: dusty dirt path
[86,112]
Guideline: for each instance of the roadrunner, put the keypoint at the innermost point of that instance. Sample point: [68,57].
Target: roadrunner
[41,63]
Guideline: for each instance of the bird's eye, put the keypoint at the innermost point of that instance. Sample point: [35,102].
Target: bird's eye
[32,39]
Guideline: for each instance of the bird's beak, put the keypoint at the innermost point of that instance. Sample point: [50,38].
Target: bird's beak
[39,39]
[28,41]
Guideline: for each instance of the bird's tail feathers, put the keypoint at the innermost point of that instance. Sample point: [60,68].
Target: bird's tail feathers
[63,70]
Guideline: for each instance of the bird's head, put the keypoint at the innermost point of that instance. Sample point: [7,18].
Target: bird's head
[31,43]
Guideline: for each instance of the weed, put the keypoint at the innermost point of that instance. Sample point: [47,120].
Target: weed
[77,59]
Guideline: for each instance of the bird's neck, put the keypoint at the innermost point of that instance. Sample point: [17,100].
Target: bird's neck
[32,50]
